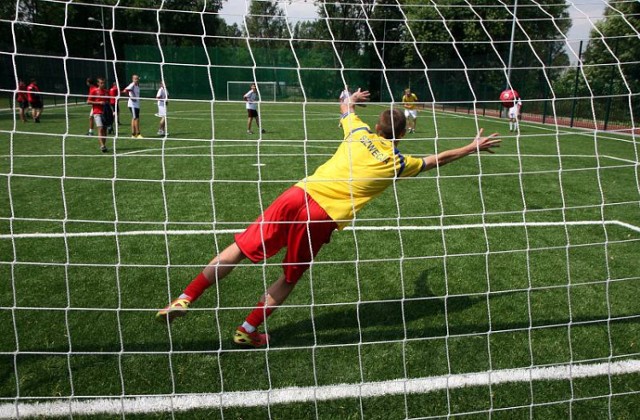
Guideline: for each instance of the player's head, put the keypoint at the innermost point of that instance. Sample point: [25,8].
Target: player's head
[90,82]
[391,124]
[254,87]
[34,81]
[135,78]
[100,82]
[407,91]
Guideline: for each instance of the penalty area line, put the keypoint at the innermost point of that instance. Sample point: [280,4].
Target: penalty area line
[171,403]
[37,235]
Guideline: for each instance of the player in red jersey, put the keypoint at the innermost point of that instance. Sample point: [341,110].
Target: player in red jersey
[21,100]
[35,100]
[98,96]
[113,101]
[91,84]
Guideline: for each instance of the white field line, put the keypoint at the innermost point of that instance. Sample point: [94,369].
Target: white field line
[559,129]
[356,228]
[172,403]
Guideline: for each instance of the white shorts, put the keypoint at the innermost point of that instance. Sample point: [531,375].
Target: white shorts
[97,118]
[411,113]
[513,113]
[162,111]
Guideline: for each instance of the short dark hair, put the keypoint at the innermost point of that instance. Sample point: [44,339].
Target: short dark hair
[392,123]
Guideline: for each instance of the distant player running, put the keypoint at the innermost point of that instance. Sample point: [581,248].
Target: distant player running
[514,115]
[303,217]
[409,100]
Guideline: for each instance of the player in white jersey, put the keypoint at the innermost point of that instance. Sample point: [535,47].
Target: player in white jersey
[163,97]
[134,105]
[514,115]
[251,99]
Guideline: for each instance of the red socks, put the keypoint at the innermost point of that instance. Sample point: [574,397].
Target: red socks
[197,287]
[257,316]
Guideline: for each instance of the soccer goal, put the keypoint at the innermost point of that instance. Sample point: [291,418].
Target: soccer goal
[236,90]
[493,285]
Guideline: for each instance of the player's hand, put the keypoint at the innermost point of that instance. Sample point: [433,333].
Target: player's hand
[359,96]
[486,143]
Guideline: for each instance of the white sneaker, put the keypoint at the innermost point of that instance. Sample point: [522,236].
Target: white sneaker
[160,133]
[249,132]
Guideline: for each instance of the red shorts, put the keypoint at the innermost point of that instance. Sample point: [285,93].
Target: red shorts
[294,220]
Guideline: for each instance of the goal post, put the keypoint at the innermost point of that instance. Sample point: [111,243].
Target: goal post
[501,285]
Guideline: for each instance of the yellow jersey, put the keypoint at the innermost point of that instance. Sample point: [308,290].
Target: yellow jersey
[364,165]
[408,99]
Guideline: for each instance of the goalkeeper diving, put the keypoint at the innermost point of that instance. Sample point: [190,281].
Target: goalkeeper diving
[303,218]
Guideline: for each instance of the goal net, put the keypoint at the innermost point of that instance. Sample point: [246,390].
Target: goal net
[502,284]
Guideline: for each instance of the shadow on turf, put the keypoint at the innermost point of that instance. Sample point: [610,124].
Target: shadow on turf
[423,312]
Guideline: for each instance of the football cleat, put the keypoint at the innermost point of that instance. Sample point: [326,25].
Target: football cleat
[175,309]
[254,339]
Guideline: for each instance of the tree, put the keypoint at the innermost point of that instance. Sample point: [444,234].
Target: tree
[458,40]
[345,24]
[611,60]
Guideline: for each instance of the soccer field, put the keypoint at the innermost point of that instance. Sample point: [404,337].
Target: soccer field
[504,283]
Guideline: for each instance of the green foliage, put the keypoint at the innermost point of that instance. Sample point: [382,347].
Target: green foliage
[454,37]
[611,60]
[609,75]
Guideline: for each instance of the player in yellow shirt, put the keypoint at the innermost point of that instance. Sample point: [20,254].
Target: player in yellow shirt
[409,100]
[303,218]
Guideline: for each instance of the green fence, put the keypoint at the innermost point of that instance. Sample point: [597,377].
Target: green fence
[314,73]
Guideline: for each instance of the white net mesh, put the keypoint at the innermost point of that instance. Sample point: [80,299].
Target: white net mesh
[502,284]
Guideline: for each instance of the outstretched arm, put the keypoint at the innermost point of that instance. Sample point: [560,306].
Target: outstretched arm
[478,144]
[348,106]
